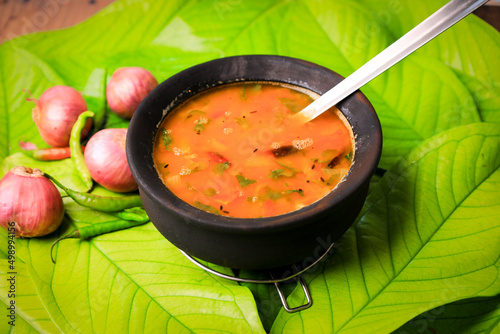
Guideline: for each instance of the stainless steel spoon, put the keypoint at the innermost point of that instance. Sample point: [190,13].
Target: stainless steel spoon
[442,19]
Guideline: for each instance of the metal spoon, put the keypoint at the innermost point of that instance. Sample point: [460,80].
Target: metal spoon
[442,19]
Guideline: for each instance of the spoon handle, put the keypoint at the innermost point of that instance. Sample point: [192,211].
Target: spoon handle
[442,19]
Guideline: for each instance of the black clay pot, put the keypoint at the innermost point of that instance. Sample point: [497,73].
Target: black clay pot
[260,243]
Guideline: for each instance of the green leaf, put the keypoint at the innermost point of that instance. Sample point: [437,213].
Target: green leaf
[276,173]
[206,207]
[30,313]
[418,243]
[221,167]
[477,315]
[139,268]
[486,98]
[452,81]
[348,156]
[291,191]
[277,194]
[290,168]
[196,112]
[167,139]
[415,99]
[210,192]
[337,47]
[290,104]
[410,119]
[53,289]
[266,295]
[243,122]
[470,48]
[200,125]
[243,181]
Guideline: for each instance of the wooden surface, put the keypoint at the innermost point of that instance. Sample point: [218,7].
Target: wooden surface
[490,14]
[20,17]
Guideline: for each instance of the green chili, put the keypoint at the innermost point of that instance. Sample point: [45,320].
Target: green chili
[100,203]
[76,149]
[136,214]
[93,230]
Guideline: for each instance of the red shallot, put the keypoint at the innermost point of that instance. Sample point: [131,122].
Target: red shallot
[127,88]
[55,113]
[29,202]
[106,160]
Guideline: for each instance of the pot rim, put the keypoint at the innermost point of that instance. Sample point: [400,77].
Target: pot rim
[364,162]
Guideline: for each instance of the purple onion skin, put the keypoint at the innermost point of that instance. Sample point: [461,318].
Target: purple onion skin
[127,88]
[106,160]
[55,113]
[30,201]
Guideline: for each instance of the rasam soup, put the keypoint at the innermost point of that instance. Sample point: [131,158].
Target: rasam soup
[237,151]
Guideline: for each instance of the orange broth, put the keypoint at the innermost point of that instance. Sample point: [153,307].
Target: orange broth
[235,150]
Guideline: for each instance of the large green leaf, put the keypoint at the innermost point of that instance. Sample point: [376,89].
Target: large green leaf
[415,100]
[266,296]
[92,280]
[407,117]
[477,315]
[149,286]
[30,314]
[470,47]
[418,244]
[134,281]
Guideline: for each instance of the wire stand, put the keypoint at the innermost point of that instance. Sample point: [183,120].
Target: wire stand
[273,280]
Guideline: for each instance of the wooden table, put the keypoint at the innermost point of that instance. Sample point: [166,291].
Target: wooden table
[20,17]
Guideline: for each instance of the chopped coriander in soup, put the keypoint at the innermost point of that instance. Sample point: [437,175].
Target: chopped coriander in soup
[236,150]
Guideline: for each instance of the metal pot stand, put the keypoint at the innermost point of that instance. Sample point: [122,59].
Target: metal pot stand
[295,276]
